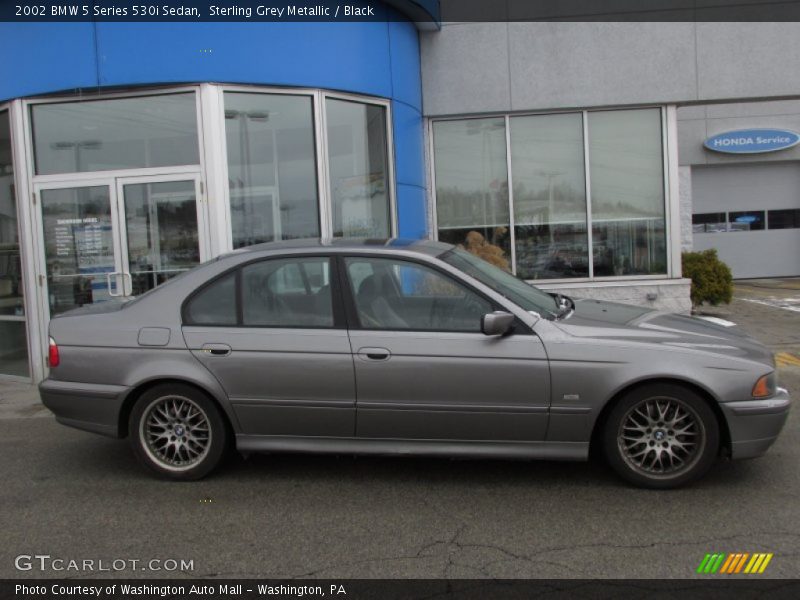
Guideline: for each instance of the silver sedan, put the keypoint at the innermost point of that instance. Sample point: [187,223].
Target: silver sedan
[406,347]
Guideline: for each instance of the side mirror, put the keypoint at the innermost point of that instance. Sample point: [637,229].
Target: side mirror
[496,323]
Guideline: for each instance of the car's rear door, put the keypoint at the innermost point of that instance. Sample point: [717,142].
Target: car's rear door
[273,333]
[423,368]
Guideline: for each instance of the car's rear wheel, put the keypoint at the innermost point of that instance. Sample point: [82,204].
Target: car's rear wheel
[661,436]
[177,432]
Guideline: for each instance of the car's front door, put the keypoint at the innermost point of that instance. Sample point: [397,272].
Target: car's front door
[423,368]
[273,334]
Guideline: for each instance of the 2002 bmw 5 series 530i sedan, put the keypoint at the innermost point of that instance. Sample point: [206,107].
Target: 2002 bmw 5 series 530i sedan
[401,347]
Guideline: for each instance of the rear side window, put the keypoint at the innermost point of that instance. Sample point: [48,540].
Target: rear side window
[215,304]
[292,292]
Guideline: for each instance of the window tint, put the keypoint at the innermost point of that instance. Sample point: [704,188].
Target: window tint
[292,292]
[401,295]
[214,304]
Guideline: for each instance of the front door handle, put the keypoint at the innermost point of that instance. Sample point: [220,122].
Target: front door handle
[375,354]
[217,349]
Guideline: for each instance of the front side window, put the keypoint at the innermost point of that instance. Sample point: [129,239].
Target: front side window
[272,167]
[291,292]
[120,133]
[400,295]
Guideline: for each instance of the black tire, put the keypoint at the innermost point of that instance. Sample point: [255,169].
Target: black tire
[646,446]
[177,432]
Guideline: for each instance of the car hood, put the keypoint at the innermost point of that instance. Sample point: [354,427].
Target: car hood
[611,320]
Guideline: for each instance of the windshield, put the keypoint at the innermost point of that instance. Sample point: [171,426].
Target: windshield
[520,293]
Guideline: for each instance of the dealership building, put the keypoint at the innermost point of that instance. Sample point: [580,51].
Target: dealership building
[583,151]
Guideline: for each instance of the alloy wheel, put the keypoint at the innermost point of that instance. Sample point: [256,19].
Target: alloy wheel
[661,437]
[175,432]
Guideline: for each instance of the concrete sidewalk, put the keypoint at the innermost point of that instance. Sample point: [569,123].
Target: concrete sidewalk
[768,309]
[20,400]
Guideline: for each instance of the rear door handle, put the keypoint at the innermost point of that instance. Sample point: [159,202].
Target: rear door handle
[217,349]
[374,354]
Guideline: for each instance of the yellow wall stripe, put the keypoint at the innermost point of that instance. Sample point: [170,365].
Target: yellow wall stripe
[786,359]
[757,564]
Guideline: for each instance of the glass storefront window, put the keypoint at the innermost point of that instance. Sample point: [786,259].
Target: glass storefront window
[621,217]
[272,167]
[359,173]
[121,133]
[472,186]
[547,163]
[13,339]
[627,189]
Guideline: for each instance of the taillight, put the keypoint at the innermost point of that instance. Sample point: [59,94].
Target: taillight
[52,356]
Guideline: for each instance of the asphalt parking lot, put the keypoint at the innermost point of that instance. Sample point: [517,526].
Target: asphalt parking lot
[77,496]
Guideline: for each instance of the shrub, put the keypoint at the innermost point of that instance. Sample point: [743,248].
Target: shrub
[711,278]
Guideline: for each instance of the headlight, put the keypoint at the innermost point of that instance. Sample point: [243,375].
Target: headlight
[765,386]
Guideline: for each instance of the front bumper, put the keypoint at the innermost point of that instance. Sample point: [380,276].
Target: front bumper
[755,424]
[88,406]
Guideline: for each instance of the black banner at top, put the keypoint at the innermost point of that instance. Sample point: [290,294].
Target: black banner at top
[429,13]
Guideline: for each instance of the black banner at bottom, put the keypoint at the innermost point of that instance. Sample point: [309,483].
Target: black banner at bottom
[744,588]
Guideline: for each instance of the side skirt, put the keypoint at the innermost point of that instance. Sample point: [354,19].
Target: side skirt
[444,448]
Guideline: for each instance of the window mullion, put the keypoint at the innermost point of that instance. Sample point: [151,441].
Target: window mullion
[512,233]
[325,198]
[588,183]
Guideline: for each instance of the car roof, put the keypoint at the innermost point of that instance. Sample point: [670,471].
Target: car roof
[429,247]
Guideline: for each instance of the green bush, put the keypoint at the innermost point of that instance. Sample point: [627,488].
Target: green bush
[711,278]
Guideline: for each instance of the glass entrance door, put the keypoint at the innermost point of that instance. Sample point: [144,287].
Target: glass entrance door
[81,248]
[161,225]
[118,236]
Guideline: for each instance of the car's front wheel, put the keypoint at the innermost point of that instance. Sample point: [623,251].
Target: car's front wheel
[177,432]
[661,436]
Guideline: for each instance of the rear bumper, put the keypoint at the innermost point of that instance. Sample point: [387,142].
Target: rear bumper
[88,406]
[755,424]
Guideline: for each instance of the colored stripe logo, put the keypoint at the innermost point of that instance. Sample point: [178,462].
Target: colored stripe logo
[736,562]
